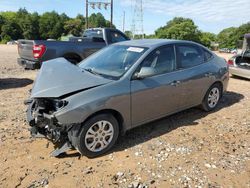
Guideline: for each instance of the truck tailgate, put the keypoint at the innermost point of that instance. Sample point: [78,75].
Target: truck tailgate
[25,49]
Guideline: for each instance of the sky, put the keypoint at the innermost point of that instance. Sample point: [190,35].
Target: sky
[208,15]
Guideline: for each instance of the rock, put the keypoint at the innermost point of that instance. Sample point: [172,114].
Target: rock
[135,184]
[88,170]
[213,166]
[152,181]
[119,174]
[207,165]
[44,182]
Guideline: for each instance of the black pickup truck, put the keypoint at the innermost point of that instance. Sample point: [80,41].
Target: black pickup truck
[33,52]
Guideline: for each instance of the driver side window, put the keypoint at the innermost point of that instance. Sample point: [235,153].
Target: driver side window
[160,61]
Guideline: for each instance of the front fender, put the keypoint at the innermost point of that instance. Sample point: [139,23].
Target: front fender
[82,105]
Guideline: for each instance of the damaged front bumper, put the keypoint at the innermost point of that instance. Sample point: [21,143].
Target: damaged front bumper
[40,116]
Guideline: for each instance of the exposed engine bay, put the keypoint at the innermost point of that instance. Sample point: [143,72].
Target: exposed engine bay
[44,124]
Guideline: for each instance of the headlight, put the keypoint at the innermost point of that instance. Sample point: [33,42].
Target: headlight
[58,104]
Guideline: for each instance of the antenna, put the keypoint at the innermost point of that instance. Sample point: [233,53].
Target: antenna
[137,21]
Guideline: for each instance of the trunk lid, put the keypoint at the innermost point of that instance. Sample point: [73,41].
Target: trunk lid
[59,77]
[25,49]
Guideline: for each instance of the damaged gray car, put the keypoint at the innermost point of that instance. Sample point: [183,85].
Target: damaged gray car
[87,106]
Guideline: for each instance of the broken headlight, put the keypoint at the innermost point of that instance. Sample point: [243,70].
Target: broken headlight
[58,104]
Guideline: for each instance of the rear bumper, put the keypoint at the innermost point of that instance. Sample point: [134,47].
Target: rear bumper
[27,64]
[239,72]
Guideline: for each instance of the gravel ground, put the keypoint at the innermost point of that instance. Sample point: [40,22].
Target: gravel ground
[189,149]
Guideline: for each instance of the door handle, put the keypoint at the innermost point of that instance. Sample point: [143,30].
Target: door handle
[209,74]
[175,83]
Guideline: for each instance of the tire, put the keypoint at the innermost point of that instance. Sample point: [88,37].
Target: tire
[212,97]
[102,131]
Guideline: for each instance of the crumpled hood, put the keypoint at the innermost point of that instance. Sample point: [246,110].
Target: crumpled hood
[59,77]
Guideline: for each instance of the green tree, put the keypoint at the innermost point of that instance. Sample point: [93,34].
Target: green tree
[206,38]
[98,20]
[51,25]
[74,27]
[227,38]
[129,34]
[11,30]
[179,28]
[9,15]
[28,23]
[22,24]
[1,24]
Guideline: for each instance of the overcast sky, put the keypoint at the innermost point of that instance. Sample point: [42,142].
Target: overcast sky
[209,15]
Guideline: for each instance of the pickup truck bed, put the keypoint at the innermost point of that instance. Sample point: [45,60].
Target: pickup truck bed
[34,52]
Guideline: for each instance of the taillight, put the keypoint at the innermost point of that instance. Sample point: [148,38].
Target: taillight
[230,62]
[38,51]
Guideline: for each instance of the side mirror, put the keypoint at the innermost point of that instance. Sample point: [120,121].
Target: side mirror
[145,72]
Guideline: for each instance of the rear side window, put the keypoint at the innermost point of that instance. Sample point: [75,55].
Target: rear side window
[189,56]
[207,55]
[116,37]
[93,33]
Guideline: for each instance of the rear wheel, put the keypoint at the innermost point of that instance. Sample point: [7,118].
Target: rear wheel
[212,97]
[98,135]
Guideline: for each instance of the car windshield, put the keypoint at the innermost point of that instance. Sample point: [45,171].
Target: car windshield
[113,61]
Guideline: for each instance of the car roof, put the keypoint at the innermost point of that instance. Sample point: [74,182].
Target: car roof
[151,43]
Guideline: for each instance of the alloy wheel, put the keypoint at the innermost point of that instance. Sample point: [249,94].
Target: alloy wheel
[213,97]
[99,136]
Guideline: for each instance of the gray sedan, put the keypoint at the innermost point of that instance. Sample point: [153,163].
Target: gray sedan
[124,85]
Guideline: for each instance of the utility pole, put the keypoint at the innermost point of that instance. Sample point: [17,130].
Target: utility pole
[86,17]
[111,14]
[123,23]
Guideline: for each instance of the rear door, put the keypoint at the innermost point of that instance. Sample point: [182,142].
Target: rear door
[25,49]
[197,72]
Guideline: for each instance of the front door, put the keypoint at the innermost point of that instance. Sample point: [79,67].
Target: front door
[157,94]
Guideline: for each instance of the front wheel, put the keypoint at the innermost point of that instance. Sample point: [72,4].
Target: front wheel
[212,97]
[98,135]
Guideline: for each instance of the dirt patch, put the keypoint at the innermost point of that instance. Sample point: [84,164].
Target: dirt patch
[188,149]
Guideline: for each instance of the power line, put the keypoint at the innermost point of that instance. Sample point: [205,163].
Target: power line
[99,5]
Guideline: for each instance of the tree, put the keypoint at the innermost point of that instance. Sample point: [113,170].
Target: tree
[29,24]
[98,20]
[1,24]
[51,25]
[227,38]
[74,27]
[129,34]
[11,30]
[207,38]
[22,24]
[179,28]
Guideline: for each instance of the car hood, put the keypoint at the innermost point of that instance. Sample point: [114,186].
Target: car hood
[59,77]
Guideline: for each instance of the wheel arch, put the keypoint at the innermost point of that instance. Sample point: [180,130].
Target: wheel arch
[220,84]
[72,55]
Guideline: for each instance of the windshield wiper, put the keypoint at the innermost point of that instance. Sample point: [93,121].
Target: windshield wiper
[92,71]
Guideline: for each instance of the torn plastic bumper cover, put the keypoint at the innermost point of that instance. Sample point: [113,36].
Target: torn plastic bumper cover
[43,123]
